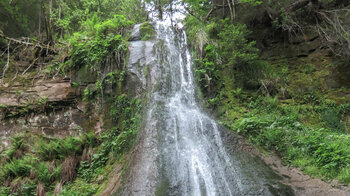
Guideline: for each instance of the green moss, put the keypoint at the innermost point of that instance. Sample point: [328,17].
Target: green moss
[147,31]
[145,71]
[163,188]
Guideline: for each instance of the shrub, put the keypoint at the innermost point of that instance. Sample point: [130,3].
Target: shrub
[79,188]
[297,143]
[147,31]
[332,120]
[117,140]
[235,48]
[59,148]
[48,174]
[18,167]
[17,146]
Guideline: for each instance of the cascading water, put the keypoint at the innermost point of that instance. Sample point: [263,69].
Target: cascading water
[181,151]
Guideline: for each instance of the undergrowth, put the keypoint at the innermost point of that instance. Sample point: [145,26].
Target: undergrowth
[33,163]
[320,149]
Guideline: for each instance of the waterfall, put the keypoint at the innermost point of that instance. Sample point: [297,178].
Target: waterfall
[181,151]
[192,159]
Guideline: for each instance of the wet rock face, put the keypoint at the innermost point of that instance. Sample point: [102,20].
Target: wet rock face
[136,35]
[17,95]
[68,121]
[48,108]
[140,60]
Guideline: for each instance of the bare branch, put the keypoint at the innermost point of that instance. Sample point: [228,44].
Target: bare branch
[30,66]
[335,29]
[27,43]
[8,61]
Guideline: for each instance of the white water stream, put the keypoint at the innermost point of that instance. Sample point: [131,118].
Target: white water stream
[181,151]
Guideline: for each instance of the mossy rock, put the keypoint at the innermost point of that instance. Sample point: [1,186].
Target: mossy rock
[147,31]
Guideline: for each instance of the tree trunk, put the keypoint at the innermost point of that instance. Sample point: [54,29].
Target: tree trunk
[47,23]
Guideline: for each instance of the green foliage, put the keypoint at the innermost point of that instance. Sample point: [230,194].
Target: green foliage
[99,42]
[79,188]
[208,68]
[88,94]
[197,34]
[95,52]
[19,18]
[318,151]
[160,6]
[133,10]
[284,121]
[5,191]
[91,93]
[89,139]
[235,48]
[18,167]
[94,27]
[121,108]
[83,14]
[293,141]
[46,176]
[344,175]
[91,35]
[17,144]
[43,165]
[59,148]
[147,31]
[252,2]
[118,140]
[333,120]
[198,7]
[226,57]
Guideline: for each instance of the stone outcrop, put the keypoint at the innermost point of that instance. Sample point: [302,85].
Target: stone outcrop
[18,95]
[49,108]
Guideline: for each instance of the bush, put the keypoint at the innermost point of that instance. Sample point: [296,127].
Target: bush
[235,48]
[17,146]
[79,188]
[332,120]
[296,143]
[48,174]
[118,140]
[59,148]
[101,41]
[208,69]
[147,31]
[18,167]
